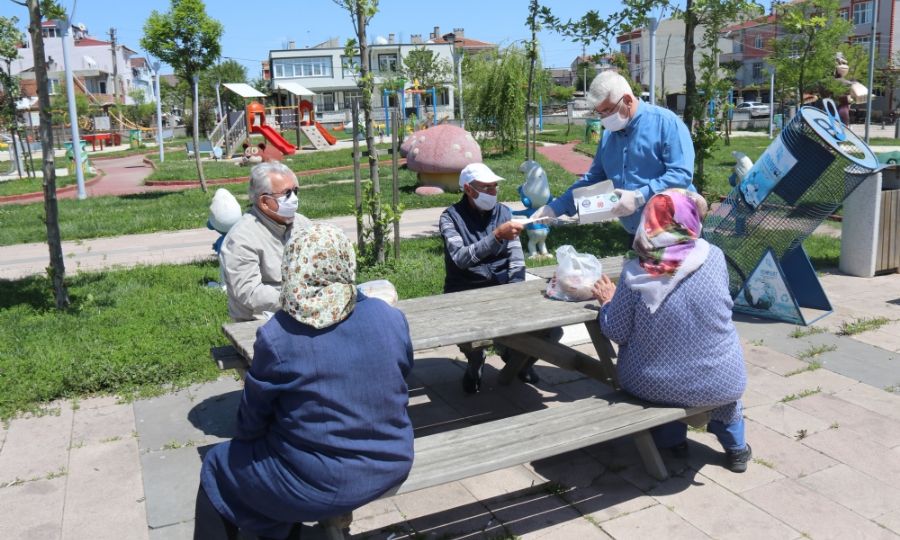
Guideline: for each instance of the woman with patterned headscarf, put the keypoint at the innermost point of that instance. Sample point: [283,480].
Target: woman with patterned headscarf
[322,426]
[671,316]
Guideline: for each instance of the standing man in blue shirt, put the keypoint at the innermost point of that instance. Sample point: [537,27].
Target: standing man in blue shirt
[644,150]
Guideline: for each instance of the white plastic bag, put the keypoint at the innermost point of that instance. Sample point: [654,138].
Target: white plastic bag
[575,275]
[381,289]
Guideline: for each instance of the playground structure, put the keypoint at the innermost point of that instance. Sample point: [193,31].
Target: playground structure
[256,123]
[801,179]
[400,93]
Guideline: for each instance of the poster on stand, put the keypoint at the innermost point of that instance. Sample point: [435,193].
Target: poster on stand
[768,170]
[766,294]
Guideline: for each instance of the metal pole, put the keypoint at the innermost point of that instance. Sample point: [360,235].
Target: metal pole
[654,25]
[772,102]
[396,186]
[159,137]
[218,101]
[65,27]
[459,82]
[357,179]
[871,68]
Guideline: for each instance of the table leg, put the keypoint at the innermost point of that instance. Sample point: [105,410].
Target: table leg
[653,462]
[605,352]
[556,354]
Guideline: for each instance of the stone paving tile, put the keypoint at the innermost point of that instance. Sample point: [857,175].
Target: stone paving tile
[431,370]
[171,479]
[715,510]
[215,408]
[891,521]
[163,420]
[179,531]
[608,496]
[654,522]
[503,482]
[50,433]
[811,513]
[771,359]
[858,452]
[537,514]
[887,337]
[447,510]
[857,491]
[577,528]
[874,399]
[99,402]
[785,455]
[430,414]
[828,381]
[772,387]
[377,516]
[92,425]
[786,419]
[104,495]
[33,510]
[869,424]
[489,404]
[708,458]
[3,431]
[572,469]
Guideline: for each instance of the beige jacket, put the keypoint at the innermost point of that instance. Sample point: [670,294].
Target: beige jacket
[251,263]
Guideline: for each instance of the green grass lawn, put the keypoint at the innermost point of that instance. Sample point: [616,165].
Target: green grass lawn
[323,195]
[561,133]
[35,185]
[145,330]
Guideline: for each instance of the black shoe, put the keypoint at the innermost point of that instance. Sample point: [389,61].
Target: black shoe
[529,375]
[737,460]
[471,384]
[680,451]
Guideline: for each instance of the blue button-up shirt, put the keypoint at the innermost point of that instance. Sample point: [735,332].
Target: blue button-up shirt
[654,152]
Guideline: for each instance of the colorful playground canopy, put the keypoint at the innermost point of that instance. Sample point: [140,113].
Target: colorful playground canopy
[294,88]
[244,90]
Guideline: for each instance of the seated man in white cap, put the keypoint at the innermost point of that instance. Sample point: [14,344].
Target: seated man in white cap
[482,249]
[252,251]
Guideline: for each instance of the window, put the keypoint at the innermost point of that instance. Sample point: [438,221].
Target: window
[757,70]
[626,48]
[324,102]
[739,43]
[844,14]
[347,69]
[863,41]
[53,86]
[349,96]
[862,12]
[758,42]
[50,32]
[313,66]
[443,97]
[387,62]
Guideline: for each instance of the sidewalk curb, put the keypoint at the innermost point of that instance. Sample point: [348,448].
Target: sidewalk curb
[40,194]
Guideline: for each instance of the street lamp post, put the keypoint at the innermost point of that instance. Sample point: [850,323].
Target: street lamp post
[772,102]
[654,26]
[871,67]
[457,59]
[159,137]
[65,27]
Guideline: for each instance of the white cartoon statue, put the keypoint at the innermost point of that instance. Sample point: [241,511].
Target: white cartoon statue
[535,193]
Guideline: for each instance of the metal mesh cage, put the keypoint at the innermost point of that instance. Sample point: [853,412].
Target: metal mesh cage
[830,164]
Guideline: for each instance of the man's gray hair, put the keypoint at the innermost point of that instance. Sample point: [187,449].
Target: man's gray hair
[608,84]
[260,178]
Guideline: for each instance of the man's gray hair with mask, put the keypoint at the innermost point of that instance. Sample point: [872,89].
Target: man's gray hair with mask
[260,178]
[608,84]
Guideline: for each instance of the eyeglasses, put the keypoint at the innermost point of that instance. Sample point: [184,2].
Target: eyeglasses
[293,190]
[607,112]
[484,188]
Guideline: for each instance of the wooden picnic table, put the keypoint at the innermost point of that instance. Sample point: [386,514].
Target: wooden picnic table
[512,315]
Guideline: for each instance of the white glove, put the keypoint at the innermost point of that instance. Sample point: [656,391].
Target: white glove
[544,211]
[629,202]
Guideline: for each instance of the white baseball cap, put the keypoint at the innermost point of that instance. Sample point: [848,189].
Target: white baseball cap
[477,172]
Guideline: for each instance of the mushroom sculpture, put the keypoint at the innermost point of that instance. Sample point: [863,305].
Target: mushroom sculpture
[438,153]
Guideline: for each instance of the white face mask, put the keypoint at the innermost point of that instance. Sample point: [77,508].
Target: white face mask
[485,202]
[615,121]
[287,206]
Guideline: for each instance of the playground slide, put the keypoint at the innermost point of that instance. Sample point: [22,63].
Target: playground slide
[325,133]
[276,139]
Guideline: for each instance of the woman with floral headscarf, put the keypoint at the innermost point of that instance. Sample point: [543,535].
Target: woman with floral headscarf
[322,426]
[671,316]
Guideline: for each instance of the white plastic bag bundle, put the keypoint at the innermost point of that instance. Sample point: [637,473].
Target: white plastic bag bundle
[381,289]
[575,275]
[224,211]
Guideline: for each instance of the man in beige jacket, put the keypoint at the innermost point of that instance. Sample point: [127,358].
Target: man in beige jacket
[252,251]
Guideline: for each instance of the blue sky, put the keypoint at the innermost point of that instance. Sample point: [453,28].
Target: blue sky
[253,28]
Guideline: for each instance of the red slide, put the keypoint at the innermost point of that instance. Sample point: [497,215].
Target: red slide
[277,140]
[325,133]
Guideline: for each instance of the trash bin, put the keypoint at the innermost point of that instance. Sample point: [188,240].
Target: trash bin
[592,130]
[70,154]
[134,138]
[887,252]
[778,120]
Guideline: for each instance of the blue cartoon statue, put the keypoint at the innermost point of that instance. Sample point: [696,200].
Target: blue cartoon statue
[535,193]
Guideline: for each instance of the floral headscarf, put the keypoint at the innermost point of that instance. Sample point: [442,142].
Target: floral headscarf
[668,231]
[319,270]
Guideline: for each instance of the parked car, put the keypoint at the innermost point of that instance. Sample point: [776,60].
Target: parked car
[755,108]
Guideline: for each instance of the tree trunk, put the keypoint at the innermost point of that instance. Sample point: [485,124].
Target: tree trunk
[377,222]
[690,78]
[196,135]
[57,268]
[533,57]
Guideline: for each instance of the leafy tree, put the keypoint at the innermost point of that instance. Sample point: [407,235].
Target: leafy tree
[361,13]
[59,107]
[562,93]
[585,74]
[425,66]
[495,95]
[10,38]
[38,10]
[804,55]
[187,39]
[229,71]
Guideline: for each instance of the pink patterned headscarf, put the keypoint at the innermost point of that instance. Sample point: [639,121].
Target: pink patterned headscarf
[668,231]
